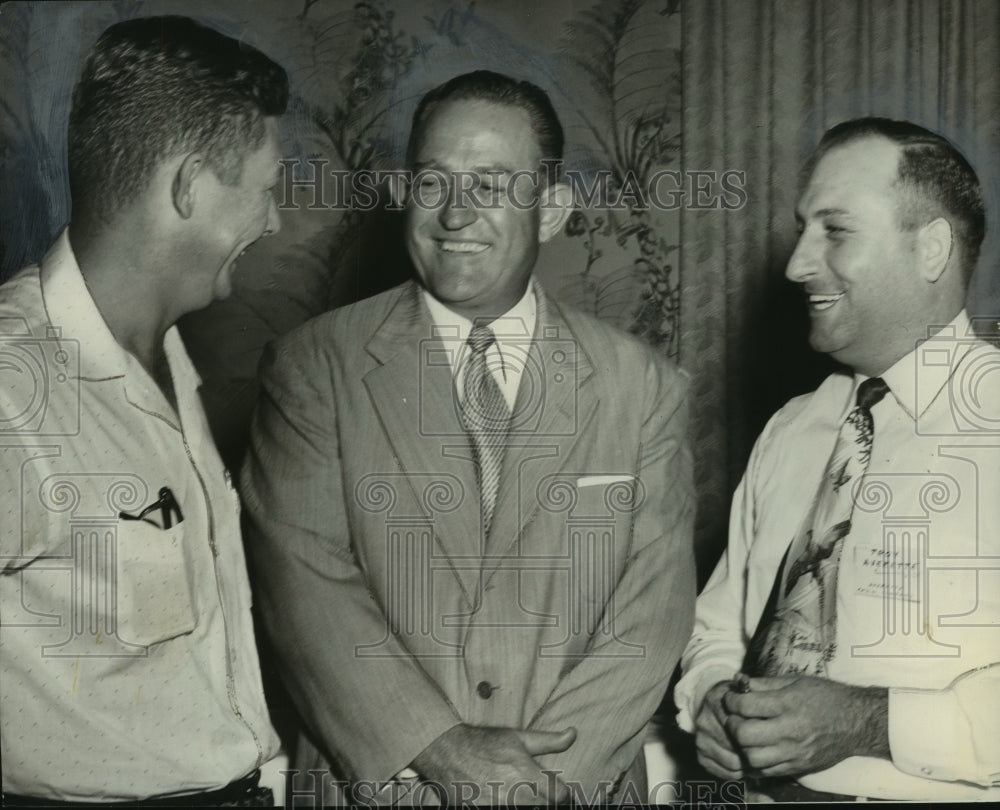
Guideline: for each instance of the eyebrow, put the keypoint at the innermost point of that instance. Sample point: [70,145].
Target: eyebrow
[494,169]
[824,212]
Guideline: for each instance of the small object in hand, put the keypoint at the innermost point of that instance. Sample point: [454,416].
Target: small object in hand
[740,684]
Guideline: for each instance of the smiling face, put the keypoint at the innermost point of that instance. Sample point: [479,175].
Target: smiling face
[867,300]
[232,218]
[475,259]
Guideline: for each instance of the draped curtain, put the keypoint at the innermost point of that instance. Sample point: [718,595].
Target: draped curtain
[761,82]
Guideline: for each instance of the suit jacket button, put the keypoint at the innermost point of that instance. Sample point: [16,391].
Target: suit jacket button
[485,689]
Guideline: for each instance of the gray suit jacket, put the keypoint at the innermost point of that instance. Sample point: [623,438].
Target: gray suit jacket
[394,618]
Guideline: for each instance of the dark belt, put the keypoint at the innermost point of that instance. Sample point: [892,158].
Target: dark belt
[243,792]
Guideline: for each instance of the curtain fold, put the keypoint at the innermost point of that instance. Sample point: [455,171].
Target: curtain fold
[761,83]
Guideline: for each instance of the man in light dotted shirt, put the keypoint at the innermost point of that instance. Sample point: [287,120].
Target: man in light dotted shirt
[128,666]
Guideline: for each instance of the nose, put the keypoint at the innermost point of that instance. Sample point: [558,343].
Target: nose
[458,210]
[273,224]
[804,260]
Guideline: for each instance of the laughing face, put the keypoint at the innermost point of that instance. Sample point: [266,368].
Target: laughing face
[854,261]
[231,218]
[477,259]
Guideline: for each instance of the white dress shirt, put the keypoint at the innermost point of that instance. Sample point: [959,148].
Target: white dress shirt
[128,666]
[918,589]
[506,358]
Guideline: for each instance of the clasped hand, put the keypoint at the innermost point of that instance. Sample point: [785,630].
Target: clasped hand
[788,725]
[500,761]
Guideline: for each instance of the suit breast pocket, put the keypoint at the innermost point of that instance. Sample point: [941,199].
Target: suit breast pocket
[607,504]
[154,601]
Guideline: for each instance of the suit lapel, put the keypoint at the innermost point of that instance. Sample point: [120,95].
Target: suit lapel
[554,404]
[412,392]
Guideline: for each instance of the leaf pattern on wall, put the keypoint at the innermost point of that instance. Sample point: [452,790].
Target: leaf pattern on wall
[356,69]
[633,120]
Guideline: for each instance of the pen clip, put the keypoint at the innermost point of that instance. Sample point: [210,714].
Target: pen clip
[166,503]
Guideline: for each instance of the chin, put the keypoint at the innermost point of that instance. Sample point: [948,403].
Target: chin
[223,286]
[828,339]
[451,290]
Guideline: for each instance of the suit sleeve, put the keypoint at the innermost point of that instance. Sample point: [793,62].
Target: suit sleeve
[371,716]
[609,697]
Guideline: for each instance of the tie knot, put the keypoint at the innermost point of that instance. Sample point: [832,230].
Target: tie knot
[480,339]
[871,391]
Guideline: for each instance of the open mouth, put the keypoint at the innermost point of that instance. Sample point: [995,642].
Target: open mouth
[241,254]
[450,246]
[822,301]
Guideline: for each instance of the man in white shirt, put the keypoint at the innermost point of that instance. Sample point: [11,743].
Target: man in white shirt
[858,591]
[471,506]
[128,665]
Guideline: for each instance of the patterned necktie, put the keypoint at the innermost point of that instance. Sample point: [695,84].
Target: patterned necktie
[486,418]
[797,631]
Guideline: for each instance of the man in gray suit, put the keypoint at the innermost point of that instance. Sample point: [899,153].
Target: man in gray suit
[471,507]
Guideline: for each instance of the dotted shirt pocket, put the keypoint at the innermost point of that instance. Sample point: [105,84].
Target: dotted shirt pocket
[154,600]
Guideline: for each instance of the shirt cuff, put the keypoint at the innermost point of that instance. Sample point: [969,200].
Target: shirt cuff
[929,735]
[690,692]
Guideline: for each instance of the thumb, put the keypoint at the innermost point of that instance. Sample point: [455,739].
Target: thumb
[547,742]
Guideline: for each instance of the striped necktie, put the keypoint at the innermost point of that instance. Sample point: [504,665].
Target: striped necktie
[797,631]
[486,419]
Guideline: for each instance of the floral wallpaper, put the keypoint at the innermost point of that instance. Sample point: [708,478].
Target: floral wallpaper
[357,69]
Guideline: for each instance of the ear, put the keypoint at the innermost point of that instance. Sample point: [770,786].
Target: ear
[934,246]
[183,187]
[554,209]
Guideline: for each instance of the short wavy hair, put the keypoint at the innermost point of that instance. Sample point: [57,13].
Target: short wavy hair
[933,179]
[495,88]
[156,87]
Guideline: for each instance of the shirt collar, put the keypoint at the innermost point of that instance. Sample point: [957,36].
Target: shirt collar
[917,379]
[517,323]
[72,312]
